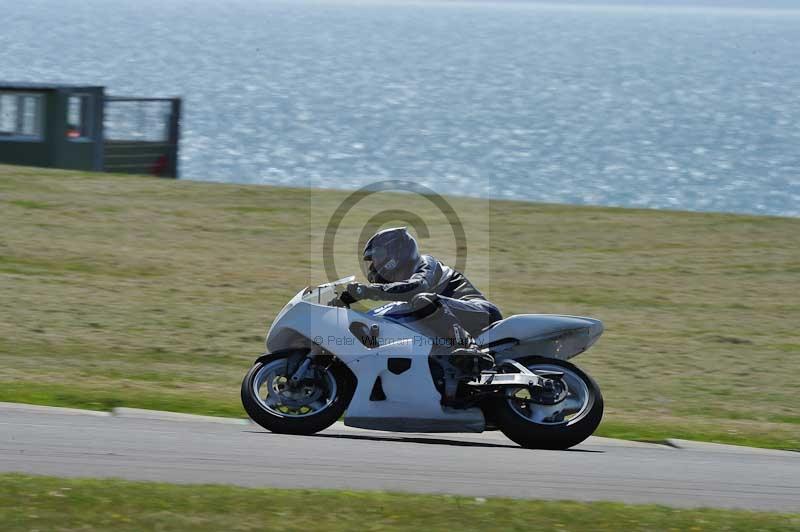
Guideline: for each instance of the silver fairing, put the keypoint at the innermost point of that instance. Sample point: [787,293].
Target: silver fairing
[546,335]
[412,404]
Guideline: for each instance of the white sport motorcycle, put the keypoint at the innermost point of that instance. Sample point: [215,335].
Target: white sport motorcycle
[324,360]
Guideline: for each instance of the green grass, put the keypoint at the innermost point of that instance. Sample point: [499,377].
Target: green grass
[44,503]
[128,291]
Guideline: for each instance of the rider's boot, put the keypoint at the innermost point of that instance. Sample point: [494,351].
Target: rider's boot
[466,355]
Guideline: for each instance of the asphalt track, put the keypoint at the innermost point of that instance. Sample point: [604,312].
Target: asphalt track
[144,446]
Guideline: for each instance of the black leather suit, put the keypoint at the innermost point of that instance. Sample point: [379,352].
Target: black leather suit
[437,298]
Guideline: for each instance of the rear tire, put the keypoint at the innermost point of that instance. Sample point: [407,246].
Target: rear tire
[282,423]
[532,435]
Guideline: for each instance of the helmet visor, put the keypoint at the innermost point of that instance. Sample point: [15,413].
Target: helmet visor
[378,255]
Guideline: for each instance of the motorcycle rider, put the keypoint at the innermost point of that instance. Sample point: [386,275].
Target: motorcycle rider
[438,298]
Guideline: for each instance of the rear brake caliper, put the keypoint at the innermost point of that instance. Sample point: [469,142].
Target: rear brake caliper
[551,391]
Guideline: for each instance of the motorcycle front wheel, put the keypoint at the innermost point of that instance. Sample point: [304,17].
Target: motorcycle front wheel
[273,401]
[558,424]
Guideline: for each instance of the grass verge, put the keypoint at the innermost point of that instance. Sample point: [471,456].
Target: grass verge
[45,503]
[128,291]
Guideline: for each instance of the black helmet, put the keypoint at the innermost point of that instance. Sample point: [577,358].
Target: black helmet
[393,255]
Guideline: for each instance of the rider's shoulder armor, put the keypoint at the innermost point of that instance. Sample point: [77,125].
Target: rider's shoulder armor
[447,281]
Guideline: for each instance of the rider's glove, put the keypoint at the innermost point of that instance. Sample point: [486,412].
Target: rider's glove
[346,299]
[339,301]
[356,292]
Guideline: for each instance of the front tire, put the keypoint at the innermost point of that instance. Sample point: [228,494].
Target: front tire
[534,432]
[315,407]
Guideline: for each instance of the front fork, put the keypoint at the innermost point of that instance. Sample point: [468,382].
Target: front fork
[302,370]
[301,362]
[304,365]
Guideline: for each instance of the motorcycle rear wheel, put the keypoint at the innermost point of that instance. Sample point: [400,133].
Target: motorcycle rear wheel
[272,403]
[531,429]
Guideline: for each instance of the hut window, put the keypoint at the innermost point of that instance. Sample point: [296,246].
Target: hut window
[79,117]
[21,115]
[31,116]
[8,114]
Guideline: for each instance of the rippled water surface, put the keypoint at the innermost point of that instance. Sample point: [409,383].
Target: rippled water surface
[665,107]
